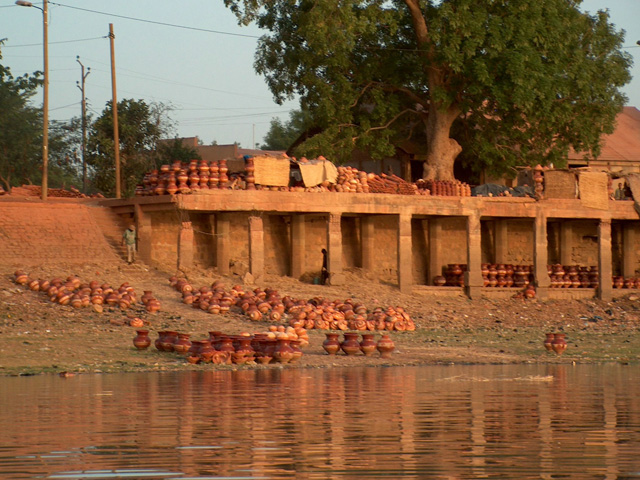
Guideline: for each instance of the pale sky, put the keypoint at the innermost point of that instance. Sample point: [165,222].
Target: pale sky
[203,71]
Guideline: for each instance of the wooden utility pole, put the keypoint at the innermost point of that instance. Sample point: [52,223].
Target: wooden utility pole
[114,107]
[84,124]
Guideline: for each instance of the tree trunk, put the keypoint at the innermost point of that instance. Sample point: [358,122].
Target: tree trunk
[441,150]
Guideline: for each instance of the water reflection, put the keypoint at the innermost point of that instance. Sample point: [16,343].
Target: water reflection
[456,422]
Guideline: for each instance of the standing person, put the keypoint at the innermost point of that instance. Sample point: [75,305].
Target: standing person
[129,239]
[324,273]
[620,193]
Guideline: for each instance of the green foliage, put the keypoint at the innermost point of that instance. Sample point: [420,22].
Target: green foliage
[169,151]
[140,126]
[281,135]
[20,129]
[517,82]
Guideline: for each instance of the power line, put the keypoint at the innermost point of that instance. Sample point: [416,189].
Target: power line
[156,22]
[53,43]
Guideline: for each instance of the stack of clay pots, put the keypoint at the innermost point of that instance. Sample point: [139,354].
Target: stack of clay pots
[283,345]
[351,346]
[619,281]
[573,276]
[446,188]
[268,305]
[77,294]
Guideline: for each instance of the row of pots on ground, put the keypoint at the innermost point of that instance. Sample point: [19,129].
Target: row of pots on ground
[268,305]
[79,294]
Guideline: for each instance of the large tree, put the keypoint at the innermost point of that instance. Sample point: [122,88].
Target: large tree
[20,129]
[282,135]
[526,80]
[140,126]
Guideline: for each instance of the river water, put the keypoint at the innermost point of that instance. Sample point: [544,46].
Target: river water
[434,422]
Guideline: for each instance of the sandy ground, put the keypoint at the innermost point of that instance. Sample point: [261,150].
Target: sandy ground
[39,336]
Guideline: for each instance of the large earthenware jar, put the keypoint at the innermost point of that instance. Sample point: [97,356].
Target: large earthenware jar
[146,296]
[183,344]
[206,351]
[368,344]
[226,344]
[169,340]
[244,347]
[283,352]
[548,341]
[142,341]
[385,346]
[297,351]
[158,342]
[331,344]
[559,343]
[350,345]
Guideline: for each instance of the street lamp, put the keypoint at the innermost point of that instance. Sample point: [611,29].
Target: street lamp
[45,101]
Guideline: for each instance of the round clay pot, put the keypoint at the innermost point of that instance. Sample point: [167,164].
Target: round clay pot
[548,341]
[368,344]
[559,343]
[142,341]
[350,345]
[283,352]
[439,281]
[183,344]
[331,345]
[385,346]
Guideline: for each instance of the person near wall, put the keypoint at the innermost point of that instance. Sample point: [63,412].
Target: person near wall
[129,239]
[620,193]
[324,273]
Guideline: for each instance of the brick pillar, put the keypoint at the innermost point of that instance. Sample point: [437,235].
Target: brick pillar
[298,245]
[566,243]
[629,257]
[541,256]
[223,243]
[211,218]
[334,249]
[501,241]
[436,258]
[605,267]
[144,231]
[368,244]
[256,247]
[473,276]
[405,264]
[185,246]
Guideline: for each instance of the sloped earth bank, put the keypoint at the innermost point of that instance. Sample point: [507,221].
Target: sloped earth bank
[38,336]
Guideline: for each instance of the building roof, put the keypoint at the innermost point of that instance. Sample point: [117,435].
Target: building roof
[623,145]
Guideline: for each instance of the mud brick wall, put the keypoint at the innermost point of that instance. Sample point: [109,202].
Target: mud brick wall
[520,242]
[277,244]
[204,250]
[420,250]
[166,228]
[52,233]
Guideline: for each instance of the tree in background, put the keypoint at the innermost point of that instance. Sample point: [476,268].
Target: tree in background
[169,151]
[522,81]
[140,126]
[281,136]
[20,129]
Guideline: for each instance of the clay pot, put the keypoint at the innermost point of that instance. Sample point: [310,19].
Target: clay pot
[283,352]
[439,281]
[183,344]
[245,348]
[368,344]
[168,340]
[548,341]
[350,345]
[142,341]
[559,343]
[385,346]
[331,345]
[297,351]
[146,296]
[206,351]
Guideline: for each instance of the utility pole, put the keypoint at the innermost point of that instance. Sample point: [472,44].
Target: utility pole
[114,109]
[84,124]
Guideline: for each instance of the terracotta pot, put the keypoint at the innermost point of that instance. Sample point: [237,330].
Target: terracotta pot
[368,344]
[331,345]
[559,343]
[158,342]
[283,352]
[169,339]
[142,341]
[245,348]
[350,345]
[385,346]
[206,351]
[146,296]
[183,344]
[548,341]
[297,351]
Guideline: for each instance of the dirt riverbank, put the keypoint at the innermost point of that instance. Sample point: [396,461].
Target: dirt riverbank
[38,336]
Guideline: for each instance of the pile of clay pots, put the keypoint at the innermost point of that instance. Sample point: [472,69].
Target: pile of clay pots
[185,178]
[351,346]
[268,305]
[445,188]
[77,294]
[629,282]
[280,346]
[573,276]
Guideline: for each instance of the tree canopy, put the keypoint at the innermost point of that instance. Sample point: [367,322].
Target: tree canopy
[140,126]
[516,81]
[282,135]
[20,129]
